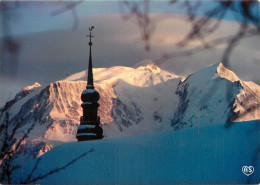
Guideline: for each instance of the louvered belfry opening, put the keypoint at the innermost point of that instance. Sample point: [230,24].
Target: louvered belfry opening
[89,128]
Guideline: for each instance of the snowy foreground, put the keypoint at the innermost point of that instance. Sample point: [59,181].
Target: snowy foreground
[212,154]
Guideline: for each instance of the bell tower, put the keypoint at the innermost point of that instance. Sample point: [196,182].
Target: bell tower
[89,128]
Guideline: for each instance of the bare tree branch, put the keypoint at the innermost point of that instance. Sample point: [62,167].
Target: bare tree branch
[29,180]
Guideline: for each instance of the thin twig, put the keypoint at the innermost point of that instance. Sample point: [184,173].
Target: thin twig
[57,169]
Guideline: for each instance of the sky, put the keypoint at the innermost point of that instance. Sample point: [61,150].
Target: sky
[53,43]
[36,16]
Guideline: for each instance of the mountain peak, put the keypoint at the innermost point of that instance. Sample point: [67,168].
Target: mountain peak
[142,63]
[151,67]
[30,87]
[226,73]
[217,70]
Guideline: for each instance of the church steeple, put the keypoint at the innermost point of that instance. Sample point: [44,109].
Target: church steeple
[89,128]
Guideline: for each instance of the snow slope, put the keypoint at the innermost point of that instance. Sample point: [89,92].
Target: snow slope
[212,154]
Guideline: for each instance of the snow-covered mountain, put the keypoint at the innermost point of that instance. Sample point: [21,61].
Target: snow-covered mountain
[136,101]
[215,95]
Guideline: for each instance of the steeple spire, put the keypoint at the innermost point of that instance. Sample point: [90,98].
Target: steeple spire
[90,84]
[89,128]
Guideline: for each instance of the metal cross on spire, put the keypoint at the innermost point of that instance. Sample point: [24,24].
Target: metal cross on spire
[90,36]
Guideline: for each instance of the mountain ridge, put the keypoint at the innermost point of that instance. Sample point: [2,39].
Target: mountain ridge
[137,101]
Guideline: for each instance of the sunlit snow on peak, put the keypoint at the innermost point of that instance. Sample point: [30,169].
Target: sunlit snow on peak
[143,76]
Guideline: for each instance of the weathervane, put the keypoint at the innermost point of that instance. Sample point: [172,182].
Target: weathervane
[90,36]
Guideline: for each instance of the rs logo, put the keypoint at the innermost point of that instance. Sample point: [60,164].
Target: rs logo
[248,170]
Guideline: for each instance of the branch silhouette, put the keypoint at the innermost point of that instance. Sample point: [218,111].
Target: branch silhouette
[29,180]
[202,27]
[10,145]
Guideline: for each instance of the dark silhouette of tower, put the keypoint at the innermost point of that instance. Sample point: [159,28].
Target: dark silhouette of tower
[89,128]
